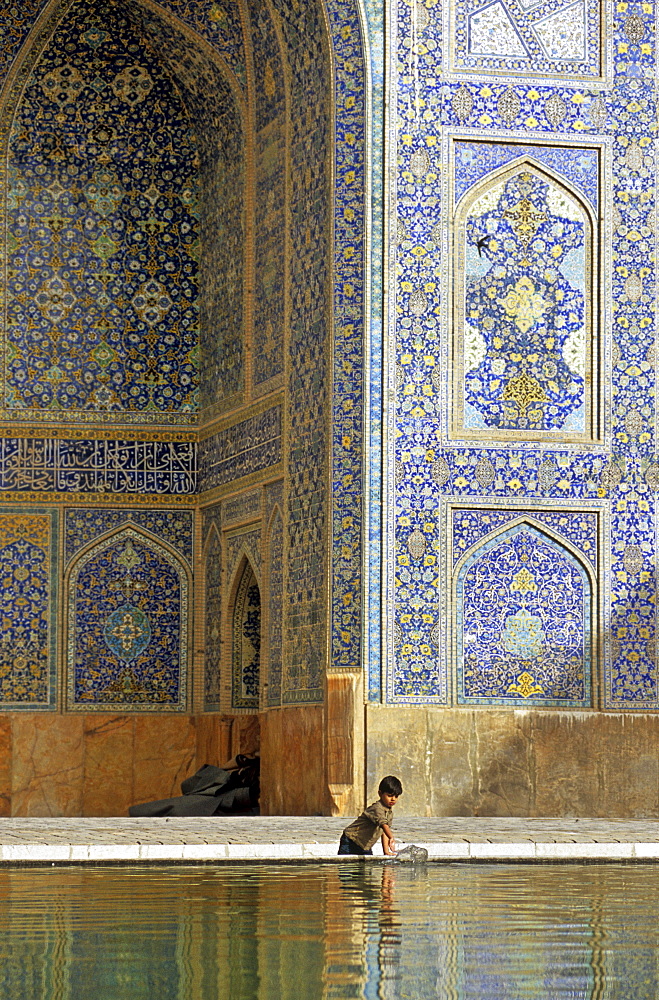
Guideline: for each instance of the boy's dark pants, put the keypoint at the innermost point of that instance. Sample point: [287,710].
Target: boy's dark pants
[347,846]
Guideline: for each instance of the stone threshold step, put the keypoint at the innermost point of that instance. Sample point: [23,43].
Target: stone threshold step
[458,851]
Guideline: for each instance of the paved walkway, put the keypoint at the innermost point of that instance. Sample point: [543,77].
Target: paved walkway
[265,838]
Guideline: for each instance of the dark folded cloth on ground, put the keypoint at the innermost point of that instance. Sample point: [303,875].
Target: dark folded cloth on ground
[212,791]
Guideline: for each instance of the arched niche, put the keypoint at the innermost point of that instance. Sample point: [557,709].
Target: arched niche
[245,618]
[116,165]
[523,621]
[212,563]
[525,343]
[127,619]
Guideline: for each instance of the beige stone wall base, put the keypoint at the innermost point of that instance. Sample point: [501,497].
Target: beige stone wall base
[99,765]
[504,762]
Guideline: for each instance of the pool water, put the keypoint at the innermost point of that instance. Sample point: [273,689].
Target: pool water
[339,931]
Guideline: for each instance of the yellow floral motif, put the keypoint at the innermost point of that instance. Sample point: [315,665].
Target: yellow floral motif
[523,582]
[526,686]
[524,304]
[525,220]
[524,390]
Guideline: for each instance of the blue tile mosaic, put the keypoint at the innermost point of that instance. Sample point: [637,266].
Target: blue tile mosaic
[102,230]
[213,620]
[523,622]
[447,94]
[128,626]
[39,465]
[579,165]
[276,594]
[244,448]
[84,525]
[225,49]
[524,309]
[30,575]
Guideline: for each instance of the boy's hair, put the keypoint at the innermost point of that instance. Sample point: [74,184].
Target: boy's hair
[390,786]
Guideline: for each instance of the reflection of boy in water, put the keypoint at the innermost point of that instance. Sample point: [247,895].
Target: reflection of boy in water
[359,837]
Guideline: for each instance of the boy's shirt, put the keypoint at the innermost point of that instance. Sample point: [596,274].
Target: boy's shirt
[366,828]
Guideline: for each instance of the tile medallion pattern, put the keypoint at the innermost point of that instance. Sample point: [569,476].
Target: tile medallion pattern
[220,128]
[523,621]
[128,626]
[437,131]
[29,572]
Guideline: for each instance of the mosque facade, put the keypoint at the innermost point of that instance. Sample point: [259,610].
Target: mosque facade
[327,403]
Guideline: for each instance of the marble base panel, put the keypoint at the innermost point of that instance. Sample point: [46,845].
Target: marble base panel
[99,765]
[292,766]
[461,762]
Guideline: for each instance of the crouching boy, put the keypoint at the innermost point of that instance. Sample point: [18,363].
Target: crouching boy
[359,837]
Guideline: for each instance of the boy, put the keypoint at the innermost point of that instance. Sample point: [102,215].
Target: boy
[359,837]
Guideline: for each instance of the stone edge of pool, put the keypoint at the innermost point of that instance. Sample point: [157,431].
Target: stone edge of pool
[461,851]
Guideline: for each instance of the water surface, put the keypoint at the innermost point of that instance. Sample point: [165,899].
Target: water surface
[386,931]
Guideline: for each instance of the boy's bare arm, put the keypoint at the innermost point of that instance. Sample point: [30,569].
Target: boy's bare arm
[388,840]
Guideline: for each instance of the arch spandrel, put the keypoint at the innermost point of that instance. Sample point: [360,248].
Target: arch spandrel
[525,308]
[523,621]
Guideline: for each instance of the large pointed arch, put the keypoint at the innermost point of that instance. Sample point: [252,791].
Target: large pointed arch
[107,385]
[245,619]
[511,376]
[524,610]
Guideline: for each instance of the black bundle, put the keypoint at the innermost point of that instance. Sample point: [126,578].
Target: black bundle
[212,791]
